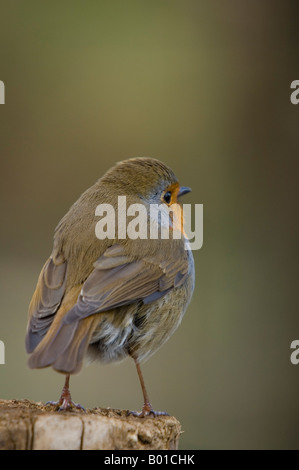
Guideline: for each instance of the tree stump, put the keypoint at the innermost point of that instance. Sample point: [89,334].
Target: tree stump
[27,425]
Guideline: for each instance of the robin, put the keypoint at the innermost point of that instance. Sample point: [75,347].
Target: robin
[108,299]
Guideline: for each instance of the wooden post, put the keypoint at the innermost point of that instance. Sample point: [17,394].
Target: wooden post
[26,425]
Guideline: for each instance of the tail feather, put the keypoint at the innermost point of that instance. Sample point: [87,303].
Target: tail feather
[71,359]
[64,347]
[52,346]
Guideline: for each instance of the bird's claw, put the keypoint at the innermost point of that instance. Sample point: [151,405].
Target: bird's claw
[65,404]
[147,410]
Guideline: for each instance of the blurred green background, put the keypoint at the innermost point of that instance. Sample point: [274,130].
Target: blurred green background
[205,87]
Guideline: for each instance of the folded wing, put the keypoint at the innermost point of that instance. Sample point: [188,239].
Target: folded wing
[115,281]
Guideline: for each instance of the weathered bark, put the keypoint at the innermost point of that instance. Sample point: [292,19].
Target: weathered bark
[27,425]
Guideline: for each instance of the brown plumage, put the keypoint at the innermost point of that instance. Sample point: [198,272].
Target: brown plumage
[109,299]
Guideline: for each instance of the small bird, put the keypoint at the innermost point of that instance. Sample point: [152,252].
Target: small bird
[108,299]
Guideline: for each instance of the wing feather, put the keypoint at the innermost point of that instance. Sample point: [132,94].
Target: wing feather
[117,281]
[45,302]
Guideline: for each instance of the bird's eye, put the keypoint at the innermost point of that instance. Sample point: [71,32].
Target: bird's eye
[167,197]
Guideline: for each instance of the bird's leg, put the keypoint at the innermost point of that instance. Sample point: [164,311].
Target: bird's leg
[147,409]
[65,401]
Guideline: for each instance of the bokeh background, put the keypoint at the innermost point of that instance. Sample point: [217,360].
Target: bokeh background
[205,87]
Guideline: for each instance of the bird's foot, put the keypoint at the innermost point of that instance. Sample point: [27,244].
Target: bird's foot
[147,410]
[65,402]
[65,405]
